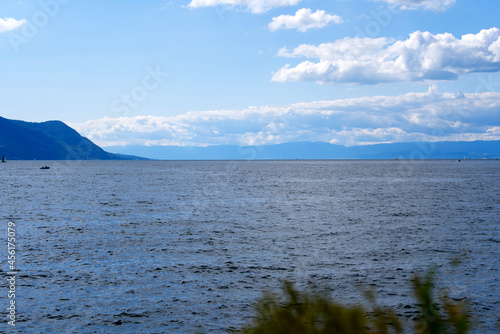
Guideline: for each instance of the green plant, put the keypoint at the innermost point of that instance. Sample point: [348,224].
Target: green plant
[296,312]
[432,319]
[300,312]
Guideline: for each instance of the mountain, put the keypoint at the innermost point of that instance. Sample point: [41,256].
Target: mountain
[52,140]
[308,150]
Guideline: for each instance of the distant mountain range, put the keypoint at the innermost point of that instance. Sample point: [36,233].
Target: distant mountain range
[318,150]
[52,140]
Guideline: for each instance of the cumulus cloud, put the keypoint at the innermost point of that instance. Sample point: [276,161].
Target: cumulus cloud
[255,6]
[423,56]
[436,5]
[427,116]
[9,24]
[303,20]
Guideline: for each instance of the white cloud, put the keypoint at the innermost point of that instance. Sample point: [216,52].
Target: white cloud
[9,24]
[423,56]
[428,116]
[255,6]
[436,5]
[304,20]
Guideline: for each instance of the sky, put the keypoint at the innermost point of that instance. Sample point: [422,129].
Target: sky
[253,72]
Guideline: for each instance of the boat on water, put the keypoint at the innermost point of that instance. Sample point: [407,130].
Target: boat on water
[45,167]
[3,159]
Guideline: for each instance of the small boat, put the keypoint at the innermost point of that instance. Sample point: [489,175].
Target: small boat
[3,159]
[45,167]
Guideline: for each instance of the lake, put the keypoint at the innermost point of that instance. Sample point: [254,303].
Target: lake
[186,246]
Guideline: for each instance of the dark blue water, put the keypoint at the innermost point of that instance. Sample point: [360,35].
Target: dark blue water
[179,247]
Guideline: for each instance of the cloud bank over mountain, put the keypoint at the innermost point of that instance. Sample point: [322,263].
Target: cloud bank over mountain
[427,116]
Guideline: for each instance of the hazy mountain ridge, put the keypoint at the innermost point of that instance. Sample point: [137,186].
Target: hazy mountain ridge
[320,150]
[51,140]
[54,140]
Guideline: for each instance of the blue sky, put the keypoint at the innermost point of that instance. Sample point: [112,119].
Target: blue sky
[204,72]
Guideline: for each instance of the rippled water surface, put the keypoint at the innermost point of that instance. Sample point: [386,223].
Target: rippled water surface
[180,247]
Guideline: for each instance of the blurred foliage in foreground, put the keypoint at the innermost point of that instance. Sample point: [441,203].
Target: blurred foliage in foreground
[297,312]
